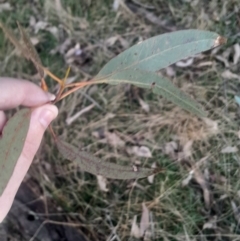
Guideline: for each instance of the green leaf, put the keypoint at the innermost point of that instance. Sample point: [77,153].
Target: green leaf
[94,165]
[11,144]
[161,51]
[159,85]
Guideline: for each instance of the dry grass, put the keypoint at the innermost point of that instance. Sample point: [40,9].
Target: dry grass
[193,199]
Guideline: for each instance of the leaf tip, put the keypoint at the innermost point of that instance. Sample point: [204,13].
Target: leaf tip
[157,170]
[202,114]
[219,41]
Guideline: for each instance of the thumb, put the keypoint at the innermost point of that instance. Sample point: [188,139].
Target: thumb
[40,119]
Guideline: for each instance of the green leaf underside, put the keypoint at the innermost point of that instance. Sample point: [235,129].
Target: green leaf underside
[94,165]
[161,51]
[237,99]
[159,85]
[11,144]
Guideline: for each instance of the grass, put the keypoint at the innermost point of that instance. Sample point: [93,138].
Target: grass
[177,212]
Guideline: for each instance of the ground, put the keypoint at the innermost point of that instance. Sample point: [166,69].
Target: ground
[196,197]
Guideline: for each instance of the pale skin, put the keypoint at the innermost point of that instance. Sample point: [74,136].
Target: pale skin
[13,93]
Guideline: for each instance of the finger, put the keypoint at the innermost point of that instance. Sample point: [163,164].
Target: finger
[15,92]
[3,120]
[40,119]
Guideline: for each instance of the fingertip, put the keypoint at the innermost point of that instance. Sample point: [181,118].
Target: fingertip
[45,115]
[50,96]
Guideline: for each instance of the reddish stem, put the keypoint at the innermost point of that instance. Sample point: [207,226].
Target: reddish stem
[52,132]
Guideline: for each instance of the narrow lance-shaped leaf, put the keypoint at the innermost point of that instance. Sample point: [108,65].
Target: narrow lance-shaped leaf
[31,52]
[159,85]
[12,37]
[11,144]
[27,49]
[161,51]
[94,165]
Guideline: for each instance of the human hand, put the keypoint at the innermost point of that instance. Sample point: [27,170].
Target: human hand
[13,93]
